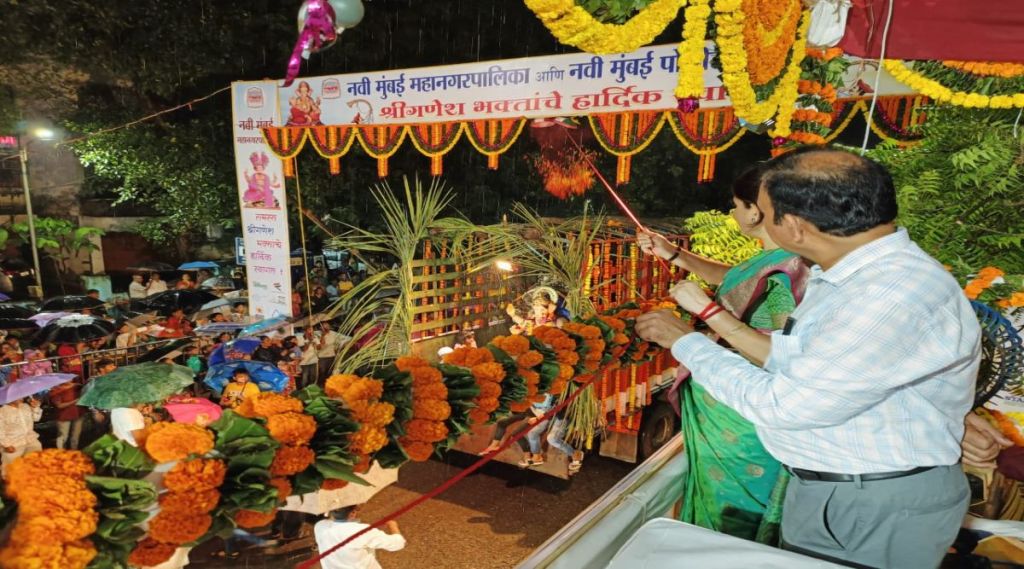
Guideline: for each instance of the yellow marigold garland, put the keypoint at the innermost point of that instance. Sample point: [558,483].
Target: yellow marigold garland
[292,428]
[196,475]
[768,36]
[361,395]
[731,24]
[573,25]
[430,408]
[691,50]
[150,552]
[987,69]
[167,441]
[939,92]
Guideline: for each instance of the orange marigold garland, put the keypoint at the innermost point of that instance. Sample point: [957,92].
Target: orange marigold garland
[249,519]
[195,475]
[361,395]
[167,441]
[283,486]
[291,460]
[56,512]
[430,409]
[292,428]
[332,484]
[267,404]
[175,527]
[199,502]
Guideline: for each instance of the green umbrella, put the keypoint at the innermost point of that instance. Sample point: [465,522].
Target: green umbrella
[142,383]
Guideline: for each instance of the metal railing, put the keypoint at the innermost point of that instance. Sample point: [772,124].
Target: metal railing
[120,356]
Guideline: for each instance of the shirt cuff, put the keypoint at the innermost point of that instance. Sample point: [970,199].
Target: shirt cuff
[691,344]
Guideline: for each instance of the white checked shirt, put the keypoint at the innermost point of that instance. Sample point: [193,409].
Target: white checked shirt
[876,374]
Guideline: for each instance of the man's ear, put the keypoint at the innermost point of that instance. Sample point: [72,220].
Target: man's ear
[795,229]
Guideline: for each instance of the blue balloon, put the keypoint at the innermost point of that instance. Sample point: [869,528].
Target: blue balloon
[347,13]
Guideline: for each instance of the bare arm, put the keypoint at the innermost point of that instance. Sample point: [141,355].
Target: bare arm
[707,269]
[750,343]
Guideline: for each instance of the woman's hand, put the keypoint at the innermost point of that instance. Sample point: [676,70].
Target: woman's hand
[655,244]
[690,296]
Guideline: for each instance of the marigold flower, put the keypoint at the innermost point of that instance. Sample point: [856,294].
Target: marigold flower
[367,440]
[284,488]
[436,391]
[565,372]
[489,390]
[268,404]
[530,359]
[291,460]
[488,404]
[198,502]
[426,431]
[488,372]
[29,467]
[520,406]
[195,475]
[292,428]
[512,345]
[529,376]
[431,409]
[567,357]
[974,288]
[990,273]
[479,416]
[1017,299]
[24,555]
[174,441]
[338,383]
[150,552]
[50,493]
[425,376]
[416,450]
[409,363]
[333,484]
[59,527]
[248,519]
[178,527]
[557,386]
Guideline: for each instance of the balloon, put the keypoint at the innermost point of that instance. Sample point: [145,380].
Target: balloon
[347,13]
[303,15]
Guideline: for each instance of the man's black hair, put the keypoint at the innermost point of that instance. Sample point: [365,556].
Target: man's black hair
[838,192]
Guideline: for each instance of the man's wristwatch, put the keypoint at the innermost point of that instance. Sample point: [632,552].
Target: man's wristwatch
[675,256]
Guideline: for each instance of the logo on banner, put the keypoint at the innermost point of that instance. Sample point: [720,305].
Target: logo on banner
[331,88]
[254,98]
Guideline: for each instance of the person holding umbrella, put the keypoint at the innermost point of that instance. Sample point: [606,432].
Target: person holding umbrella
[17,429]
[185,282]
[138,290]
[69,415]
[239,388]
[71,357]
[36,364]
[156,285]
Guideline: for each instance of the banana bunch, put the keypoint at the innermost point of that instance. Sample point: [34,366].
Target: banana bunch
[717,236]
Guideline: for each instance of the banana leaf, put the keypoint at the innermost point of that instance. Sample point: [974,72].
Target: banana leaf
[109,555]
[116,458]
[392,455]
[513,387]
[307,481]
[247,489]
[335,467]
[121,495]
[223,525]
[243,442]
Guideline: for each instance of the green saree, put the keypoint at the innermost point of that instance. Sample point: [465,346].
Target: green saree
[733,485]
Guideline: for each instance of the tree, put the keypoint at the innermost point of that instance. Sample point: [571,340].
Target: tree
[59,239]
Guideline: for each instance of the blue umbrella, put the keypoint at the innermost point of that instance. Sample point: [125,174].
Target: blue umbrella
[215,328]
[31,385]
[4,297]
[196,265]
[264,325]
[227,352]
[266,376]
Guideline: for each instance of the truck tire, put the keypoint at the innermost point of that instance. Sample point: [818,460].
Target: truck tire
[660,424]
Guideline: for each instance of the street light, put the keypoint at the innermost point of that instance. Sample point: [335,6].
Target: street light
[40,134]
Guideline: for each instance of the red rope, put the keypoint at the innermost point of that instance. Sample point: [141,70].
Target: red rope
[454,479]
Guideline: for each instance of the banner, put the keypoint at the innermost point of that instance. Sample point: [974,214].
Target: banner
[533,87]
[261,192]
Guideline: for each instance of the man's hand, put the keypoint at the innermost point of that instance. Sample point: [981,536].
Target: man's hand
[655,244]
[661,327]
[9,449]
[982,442]
[690,296]
[33,403]
[532,420]
[392,526]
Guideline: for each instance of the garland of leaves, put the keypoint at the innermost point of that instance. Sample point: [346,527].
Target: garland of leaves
[821,73]
[957,86]
[574,25]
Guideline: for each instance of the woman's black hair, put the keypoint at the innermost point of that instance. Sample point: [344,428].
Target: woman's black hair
[747,185]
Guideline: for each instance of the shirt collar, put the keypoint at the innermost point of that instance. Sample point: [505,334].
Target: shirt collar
[862,256]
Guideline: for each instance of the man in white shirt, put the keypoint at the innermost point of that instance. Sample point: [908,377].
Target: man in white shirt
[156,285]
[327,348]
[360,552]
[309,362]
[864,392]
[137,289]
[17,430]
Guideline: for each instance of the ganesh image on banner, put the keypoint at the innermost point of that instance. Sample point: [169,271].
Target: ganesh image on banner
[545,309]
[304,109]
[260,186]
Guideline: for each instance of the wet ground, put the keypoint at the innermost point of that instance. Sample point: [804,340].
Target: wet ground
[491,520]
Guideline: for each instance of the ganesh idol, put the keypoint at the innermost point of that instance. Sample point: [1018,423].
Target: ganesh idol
[260,190]
[305,109]
[544,310]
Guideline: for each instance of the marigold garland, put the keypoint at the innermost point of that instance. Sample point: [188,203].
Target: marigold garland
[74,555]
[573,25]
[332,484]
[530,359]
[408,363]
[195,475]
[514,346]
[691,50]
[150,552]
[768,35]
[292,428]
[732,29]
[987,69]
[417,451]
[283,486]
[469,357]
[168,441]
[939,92]
[267,404]
[249,519]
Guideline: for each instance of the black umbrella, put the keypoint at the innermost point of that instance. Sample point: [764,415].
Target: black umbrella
[74,329]
[17,324]
[153,267]
[158,353]
[70,303]
[168,301]
[14,311]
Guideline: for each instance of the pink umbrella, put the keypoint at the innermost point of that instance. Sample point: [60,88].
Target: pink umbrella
[44,318]
[187,410]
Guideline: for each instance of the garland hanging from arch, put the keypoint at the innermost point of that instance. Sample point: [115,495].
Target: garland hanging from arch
[286,143]
[964,84]
[493,137]
[706,133]
[896,118]
[381,142]
[573,25]
[626,134]
[332,142]
[434,140]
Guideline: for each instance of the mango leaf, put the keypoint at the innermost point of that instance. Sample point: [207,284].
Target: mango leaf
[121,494]
[307,481]
[333,467]
[392,455]
[114,457]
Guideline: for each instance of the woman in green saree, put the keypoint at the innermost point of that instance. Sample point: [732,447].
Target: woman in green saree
[733,485]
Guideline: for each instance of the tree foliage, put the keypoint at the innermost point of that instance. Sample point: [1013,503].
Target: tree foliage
[59,239]
[960,189]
